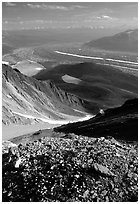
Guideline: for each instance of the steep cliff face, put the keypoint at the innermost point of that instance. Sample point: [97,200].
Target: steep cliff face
[120,122]
[27,100]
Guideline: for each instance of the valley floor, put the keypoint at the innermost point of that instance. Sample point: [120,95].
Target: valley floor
[11,131]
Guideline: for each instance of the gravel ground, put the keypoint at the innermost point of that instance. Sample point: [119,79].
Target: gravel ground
[72,168]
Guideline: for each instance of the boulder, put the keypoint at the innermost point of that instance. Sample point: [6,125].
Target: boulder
[102,169]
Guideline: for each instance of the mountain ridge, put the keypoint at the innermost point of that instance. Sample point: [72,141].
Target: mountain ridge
[29,98]
[124,41]
[120,123]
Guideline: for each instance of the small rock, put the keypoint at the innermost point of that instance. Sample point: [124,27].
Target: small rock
[85,193]
[116,190]
[121,194]
[130,174]
[107,199]
[94,195]
[10,193]
[92,192]
[135,176]
[118,155]
[112,185]
[102,169]
[104,193]
[102,138]
[18,162]
[77,176]
[90,161]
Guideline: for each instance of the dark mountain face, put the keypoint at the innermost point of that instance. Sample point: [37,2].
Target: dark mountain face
[125,41]
[101,86]
[26,99]
[120,123]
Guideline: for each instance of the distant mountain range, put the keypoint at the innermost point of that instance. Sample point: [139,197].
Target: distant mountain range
[27,100]
[21,38]
[125,41]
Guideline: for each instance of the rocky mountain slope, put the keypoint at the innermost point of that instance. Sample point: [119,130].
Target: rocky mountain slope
[120,122]
[125,41]
[72,169]
[26,100]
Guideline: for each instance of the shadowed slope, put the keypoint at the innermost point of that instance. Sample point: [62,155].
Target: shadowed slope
[120,122]
[102,86]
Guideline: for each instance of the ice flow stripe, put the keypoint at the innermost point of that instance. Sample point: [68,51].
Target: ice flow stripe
[100,58]
[75,55]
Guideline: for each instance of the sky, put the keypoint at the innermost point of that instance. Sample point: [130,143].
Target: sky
[69,15]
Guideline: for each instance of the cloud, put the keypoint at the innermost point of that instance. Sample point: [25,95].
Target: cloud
[94,17]
[106,17]
[33,5]
[10,4]
[21,22]
[132,5]
[99,14]
[78,7]
[101,27]
[6,22]
[49,7]
[9,22]
[135,18]
[54,7]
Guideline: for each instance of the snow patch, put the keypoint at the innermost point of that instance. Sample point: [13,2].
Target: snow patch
[51,121]
[9,96]
[31,61]
[4,62]
[18,162]
[69,79]
[131,31]
[39,68]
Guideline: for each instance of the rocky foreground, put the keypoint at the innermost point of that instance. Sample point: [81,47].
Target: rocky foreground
[67,167]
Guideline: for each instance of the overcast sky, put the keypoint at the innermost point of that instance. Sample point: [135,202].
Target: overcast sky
[42,15]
